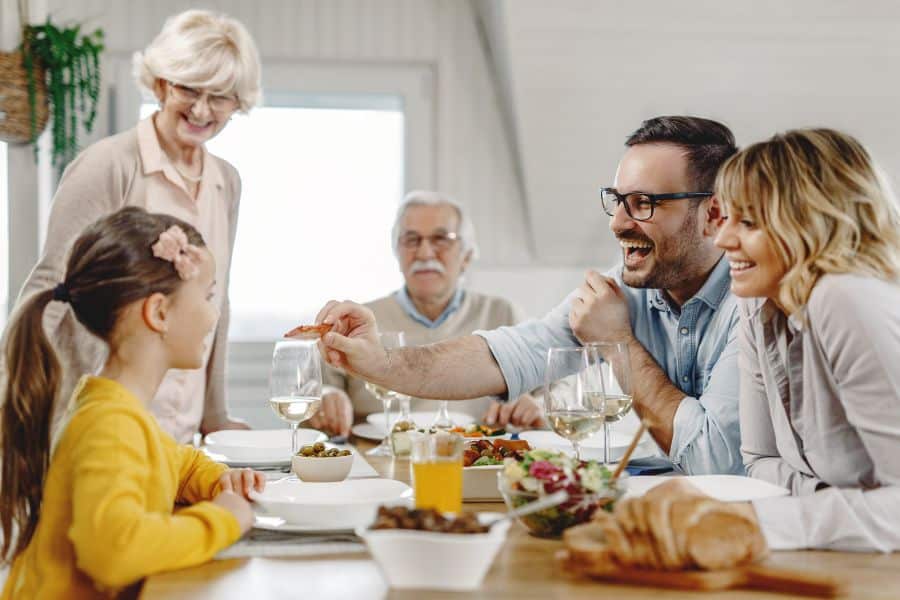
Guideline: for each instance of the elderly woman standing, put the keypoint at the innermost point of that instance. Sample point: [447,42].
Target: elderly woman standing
[202,67]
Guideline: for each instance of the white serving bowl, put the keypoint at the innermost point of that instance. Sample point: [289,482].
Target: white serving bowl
[437,561]
[335,505]
[480,484]
[322,468]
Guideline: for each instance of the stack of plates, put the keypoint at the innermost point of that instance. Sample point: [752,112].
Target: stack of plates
[258,448]
[296,506]
[373,428]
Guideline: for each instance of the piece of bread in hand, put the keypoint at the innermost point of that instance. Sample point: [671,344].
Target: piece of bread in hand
[308,332]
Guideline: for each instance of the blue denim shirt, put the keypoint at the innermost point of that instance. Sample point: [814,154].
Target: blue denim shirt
[410,309]
[695,346]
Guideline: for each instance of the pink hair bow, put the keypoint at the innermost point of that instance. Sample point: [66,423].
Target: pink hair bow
[174,247]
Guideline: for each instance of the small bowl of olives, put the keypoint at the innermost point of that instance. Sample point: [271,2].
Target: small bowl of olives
[318,462]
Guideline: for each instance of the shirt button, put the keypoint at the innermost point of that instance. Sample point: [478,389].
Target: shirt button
[684,377]
[684,331]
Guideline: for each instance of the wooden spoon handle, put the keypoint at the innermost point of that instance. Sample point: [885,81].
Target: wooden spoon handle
[791,581]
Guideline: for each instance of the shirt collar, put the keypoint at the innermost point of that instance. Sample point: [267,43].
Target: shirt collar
[154,160]
[406,303]
[714,289]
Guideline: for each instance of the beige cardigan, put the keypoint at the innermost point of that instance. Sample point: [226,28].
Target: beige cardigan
[113,173]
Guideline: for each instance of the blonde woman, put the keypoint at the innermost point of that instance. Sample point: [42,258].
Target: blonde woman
[812,238]
[202,67]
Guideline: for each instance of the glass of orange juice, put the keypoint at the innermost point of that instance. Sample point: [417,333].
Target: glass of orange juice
[436,463]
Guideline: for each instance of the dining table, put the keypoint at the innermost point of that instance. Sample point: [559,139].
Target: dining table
[526,567]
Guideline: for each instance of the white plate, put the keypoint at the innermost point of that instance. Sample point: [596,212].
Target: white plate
[259,445]
[420,418]
[279,524]
[334,505]
[368,431]
[253,464]
[591,448]
[727,488]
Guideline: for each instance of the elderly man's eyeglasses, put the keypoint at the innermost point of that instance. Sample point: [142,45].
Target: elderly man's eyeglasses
[189,95]
[439,241]
[638,205]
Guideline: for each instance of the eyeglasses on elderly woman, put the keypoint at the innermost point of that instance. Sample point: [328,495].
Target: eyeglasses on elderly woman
[217,103]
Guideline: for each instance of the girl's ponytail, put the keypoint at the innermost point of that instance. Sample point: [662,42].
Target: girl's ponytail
[33,375]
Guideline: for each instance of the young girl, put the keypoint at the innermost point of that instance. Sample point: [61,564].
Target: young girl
[813,238]
[119,499]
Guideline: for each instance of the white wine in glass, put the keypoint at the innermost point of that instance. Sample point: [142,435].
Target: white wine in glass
[574,398]
[615,370]
[388,339]
[295,383]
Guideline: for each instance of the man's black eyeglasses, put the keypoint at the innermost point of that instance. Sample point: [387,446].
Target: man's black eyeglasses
[638,205]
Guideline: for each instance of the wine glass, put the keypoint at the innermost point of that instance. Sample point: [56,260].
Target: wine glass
[574,396]
[388,339]
[615,369]
[442,419]
[295,383]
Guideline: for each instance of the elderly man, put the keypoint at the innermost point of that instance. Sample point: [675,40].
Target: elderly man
[669,300]
[434,243]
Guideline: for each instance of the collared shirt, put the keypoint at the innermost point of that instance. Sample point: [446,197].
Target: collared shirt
[820,408]
[402,296]
[694,345]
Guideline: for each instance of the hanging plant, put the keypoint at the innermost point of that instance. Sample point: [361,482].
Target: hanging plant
[71,67]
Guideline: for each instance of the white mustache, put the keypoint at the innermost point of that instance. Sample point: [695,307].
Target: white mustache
[427,265]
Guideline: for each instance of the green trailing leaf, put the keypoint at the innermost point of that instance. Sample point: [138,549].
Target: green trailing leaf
[71,61]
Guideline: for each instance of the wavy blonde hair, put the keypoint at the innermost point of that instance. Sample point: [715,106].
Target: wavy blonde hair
[202,49]
[822,201]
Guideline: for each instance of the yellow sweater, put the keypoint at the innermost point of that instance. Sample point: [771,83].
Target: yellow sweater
[110,514]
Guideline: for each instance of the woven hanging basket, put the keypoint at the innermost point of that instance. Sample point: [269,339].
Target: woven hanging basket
[15,111]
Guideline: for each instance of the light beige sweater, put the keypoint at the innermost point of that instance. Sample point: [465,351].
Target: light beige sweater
[477,311]
[127,169]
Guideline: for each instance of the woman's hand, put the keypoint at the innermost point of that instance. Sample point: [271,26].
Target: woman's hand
[237,506]
[241,481]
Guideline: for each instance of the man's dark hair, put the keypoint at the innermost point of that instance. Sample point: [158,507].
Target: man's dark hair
[708,144]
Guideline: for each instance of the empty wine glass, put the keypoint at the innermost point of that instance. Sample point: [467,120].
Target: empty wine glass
[615,369]
[295,383]
[442,419]
[574,396]
[388,339]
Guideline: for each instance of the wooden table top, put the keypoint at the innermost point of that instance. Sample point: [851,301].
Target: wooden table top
[525,568]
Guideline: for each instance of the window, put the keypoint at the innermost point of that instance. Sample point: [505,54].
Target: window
[321,182]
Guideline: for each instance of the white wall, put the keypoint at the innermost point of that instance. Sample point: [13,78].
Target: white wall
[585,73]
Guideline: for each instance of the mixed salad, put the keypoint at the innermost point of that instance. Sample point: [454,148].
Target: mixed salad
[541,472]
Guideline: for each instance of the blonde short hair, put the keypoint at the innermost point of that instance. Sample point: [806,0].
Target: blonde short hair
[202,49]
[823,202]
[432,198]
